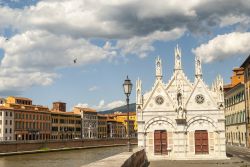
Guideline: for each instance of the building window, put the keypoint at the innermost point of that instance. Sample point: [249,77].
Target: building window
[6,130]
[0,113]
[10,130]
[6,113]
[6,122]
[10,122]
[10,114]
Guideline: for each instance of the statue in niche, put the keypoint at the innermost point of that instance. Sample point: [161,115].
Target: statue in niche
[180,113]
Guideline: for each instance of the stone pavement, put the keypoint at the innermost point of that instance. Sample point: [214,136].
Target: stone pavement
[232,162]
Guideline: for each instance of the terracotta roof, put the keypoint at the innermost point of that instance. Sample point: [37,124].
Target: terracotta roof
[5,108]
[86,109]
[64,113]
[111,120]
[101,115]
[21,98]
[245,62]
[59,102]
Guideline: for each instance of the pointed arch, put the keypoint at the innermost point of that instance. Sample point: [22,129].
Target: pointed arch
[200,118]
[159,119]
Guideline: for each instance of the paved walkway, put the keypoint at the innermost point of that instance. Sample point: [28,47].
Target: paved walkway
[233,162]
[240,158]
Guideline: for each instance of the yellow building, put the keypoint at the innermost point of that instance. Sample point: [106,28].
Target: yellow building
[235,110]
[122,117]
[246,66]
[115,129]
[235,115]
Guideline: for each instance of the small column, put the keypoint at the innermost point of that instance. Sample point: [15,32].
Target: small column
[177,54]
[198,69]
[158,68]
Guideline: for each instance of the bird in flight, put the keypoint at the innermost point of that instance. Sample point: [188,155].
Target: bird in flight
[75,60]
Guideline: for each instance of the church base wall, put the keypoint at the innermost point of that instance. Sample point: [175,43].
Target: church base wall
[181,146]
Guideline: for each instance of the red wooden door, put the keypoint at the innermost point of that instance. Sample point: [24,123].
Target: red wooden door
[160,142]
[164,142]
[201,142]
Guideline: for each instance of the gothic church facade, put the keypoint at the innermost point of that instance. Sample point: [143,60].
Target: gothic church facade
[181,119]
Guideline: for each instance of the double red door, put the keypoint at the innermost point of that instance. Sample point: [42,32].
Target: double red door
[201,142]
[160,142]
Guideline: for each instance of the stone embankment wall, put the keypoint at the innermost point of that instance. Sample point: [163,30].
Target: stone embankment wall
[137,158]
[22,146]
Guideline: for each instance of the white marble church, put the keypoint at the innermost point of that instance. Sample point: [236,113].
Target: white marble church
[181,119]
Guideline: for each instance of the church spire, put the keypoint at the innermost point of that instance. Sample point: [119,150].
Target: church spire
[158,68]
[198,69]
[177,54]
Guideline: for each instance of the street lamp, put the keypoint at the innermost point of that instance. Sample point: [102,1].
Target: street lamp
[127,86]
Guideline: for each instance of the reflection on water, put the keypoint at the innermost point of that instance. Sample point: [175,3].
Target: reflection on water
[73,158]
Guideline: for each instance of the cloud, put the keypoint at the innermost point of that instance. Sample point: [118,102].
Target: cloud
[142,45]
[103,106]
[32,57]
[93,88]
[83,105]
[124,19]
[224,46]
[49,34]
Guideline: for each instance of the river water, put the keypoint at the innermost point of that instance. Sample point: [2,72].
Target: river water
[70,158]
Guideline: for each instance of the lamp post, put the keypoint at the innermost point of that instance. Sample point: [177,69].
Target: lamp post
[127,86]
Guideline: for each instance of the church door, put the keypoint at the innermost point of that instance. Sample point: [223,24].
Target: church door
[201,142]
[160,142]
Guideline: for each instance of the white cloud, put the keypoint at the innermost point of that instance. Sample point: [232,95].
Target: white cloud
[83,105]
[224,46]
[32,57]
[51,33]
[115,104]
[142,45]
[93,88]
[123,19]
[103,106]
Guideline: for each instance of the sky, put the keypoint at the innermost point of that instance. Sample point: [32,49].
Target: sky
[110,39]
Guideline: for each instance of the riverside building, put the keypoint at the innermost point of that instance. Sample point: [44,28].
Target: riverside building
[89,122]
[65,125]
[235,112]
[31,122]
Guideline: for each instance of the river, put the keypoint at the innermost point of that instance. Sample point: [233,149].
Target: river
[70,158]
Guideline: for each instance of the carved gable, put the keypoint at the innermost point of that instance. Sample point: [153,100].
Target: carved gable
[200,98]
[158,99]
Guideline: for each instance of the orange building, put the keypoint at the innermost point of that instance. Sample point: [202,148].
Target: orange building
[32,122]
[65,125]
[237,77]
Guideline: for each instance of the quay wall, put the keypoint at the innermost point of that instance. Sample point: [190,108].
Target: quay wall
[26,146]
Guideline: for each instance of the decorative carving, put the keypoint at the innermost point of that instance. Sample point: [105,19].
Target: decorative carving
[159,100]
[199,99]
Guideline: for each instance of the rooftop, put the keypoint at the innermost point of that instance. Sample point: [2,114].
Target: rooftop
[20,98]
[245,62]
